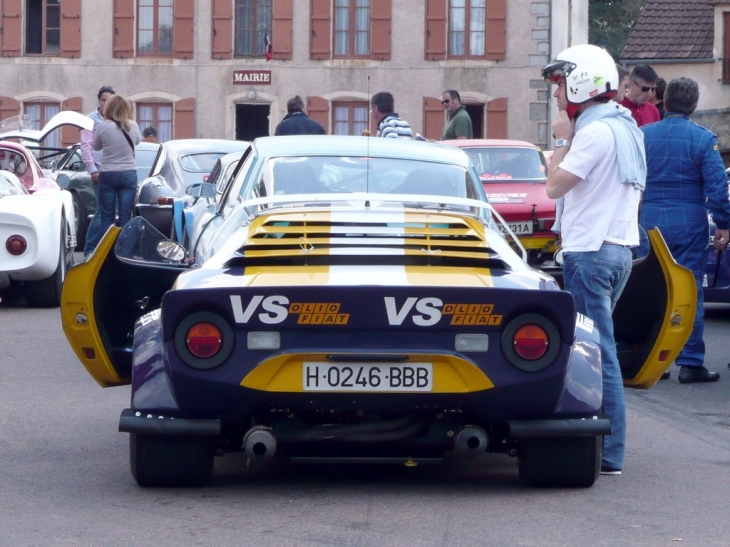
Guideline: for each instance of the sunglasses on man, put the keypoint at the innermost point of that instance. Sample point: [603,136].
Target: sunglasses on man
[446,101]
[645,88]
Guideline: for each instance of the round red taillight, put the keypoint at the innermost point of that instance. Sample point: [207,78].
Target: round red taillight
[204,340]
[530,342]
[16,245]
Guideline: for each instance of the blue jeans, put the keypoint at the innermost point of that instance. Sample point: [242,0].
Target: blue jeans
[596,280]
[686,231]
[116,194]
[93,231]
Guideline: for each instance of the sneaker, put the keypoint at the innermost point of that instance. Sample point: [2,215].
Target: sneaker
[605,470]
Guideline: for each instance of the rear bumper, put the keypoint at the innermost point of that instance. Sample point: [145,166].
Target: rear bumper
[576,427]
[132,421]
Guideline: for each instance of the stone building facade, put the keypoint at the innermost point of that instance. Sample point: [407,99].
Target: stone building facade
[226,68]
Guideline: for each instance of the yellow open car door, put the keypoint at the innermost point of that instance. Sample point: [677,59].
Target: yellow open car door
[654,316]
[79,319]
[104,297]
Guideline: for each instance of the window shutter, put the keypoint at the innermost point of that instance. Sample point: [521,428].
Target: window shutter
[496,29]
[123,41]
[282,15]
[185,119]
[319,110]
[183,38]
[69,133]
[320,30]
[10,24]
[726,48]
[71,28]
[380,29]
[433,118]
[9,107]
[221,36]
[497,119]
[436,30]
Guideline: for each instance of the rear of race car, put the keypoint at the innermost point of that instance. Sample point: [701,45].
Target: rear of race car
[371,360]
[31,232]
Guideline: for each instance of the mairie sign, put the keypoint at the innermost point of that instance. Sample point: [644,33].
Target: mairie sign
[252,77]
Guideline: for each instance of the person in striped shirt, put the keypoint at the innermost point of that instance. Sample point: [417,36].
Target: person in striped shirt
[390,125]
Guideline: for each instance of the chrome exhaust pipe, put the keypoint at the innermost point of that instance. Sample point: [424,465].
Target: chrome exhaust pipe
[471,440]
[259,444]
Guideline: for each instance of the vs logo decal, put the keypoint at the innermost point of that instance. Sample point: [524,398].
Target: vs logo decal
[426,312]
[275,309]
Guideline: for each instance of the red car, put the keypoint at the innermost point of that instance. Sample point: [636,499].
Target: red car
[514,174]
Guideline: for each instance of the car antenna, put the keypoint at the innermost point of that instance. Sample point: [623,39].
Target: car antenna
[367,168]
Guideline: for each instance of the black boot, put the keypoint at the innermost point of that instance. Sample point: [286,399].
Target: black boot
[696,375]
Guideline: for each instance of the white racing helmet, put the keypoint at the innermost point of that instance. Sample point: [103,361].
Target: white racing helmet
[589,72]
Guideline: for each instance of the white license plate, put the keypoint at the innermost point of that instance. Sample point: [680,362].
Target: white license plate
[368,377]
[519,228]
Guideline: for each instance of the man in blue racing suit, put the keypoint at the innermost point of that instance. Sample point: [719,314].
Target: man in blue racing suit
[686,178]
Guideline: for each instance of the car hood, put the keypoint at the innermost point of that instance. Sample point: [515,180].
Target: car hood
[66,117]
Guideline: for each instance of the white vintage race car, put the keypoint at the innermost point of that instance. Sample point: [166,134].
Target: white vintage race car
[37,222]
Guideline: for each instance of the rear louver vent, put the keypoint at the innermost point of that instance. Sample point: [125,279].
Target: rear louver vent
[450,240]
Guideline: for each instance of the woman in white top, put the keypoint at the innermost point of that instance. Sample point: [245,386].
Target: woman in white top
[116,137]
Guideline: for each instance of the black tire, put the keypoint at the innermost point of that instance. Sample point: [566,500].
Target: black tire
[82,222]
[560,461]
[46,293]
[157,460]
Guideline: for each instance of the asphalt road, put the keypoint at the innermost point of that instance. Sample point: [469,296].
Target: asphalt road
[64,474]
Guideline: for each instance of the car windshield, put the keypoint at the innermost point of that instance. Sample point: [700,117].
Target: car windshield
[508,164]
[9,188]
[195,167]
[15,123]
[13,161]
[339,175]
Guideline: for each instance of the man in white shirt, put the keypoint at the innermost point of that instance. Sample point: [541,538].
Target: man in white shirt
[599,168]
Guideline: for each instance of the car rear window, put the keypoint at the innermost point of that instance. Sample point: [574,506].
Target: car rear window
[336,175]
[508,164]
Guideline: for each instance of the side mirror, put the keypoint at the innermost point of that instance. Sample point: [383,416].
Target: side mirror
[169,250]
[204,190]
[54,165]
[63,180]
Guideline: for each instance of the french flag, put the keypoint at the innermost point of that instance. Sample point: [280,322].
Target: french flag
[267,46]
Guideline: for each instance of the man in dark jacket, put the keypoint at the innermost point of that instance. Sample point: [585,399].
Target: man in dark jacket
[296,122]
[686,179]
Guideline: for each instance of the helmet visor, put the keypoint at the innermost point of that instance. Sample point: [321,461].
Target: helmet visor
[557,69]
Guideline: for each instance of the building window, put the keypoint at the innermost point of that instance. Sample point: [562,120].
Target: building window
[352,28]
[350,118]
[253,21]
[43,26]
[467,24]
[158,115]
[38,115]
[154,27]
